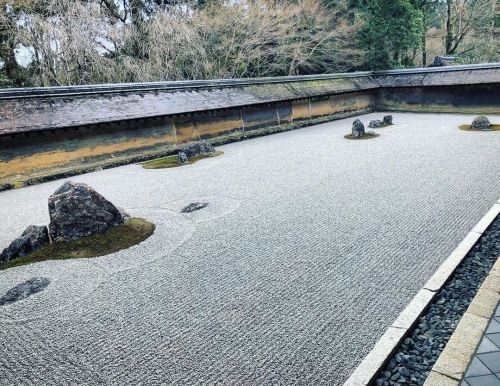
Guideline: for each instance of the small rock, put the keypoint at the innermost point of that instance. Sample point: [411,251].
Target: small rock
[181,158]
[194,206]
[76,210]
[371,132]
[358,129]
[388,120]
[481,123]
[24,290]
[375,124]
[31,240]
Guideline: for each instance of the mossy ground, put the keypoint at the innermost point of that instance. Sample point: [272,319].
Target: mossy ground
[170,161]
[493,127]
[366,136]
[121,237]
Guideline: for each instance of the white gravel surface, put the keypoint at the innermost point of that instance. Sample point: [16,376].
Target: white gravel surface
[310,247]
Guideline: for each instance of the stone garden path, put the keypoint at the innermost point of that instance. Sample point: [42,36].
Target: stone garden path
[309,248]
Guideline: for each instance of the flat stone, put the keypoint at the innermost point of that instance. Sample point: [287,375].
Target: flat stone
[372,363]
[476,368]
[484,303]
[485,380]
[24,290]
[436,379]
[495,338]
[491,360]
[442,274]
[456,356]
[411,313]
[487,346]
[492,281]
[487,219]
[493,328]
[194,206]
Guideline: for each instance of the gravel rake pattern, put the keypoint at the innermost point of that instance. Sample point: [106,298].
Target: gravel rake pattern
[310,248]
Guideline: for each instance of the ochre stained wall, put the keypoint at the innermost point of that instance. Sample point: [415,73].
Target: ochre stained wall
[38,155]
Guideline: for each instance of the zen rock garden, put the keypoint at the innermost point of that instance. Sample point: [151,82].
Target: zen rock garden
[76,212]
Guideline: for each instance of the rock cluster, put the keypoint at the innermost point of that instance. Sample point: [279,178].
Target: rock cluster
[32,239]
[358,129]
[75,210]
[194,150]
[377,123]
[481,123]
[419,351]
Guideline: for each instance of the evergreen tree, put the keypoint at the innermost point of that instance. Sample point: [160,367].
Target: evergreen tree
[392,29]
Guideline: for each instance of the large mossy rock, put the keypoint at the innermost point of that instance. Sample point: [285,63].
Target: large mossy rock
[32,239]
[481,123]
[358,129]
[76,210]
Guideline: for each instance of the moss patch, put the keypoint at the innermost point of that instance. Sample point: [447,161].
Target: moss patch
[171,161]
[469,128]
[120,237]
[366,136]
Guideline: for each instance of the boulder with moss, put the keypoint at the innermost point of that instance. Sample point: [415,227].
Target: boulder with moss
[31,240]
[481,123]
[76,210]
[358,129]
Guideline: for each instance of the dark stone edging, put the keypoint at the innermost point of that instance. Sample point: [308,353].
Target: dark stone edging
[414,358]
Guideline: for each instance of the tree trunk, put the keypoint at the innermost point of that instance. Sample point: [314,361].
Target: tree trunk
[449,32]
[423,42]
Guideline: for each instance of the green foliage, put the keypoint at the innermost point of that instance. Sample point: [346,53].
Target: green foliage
[391,29]
[4,81]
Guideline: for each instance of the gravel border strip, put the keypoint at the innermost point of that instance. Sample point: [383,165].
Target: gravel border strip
[376,359]
[454,360]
